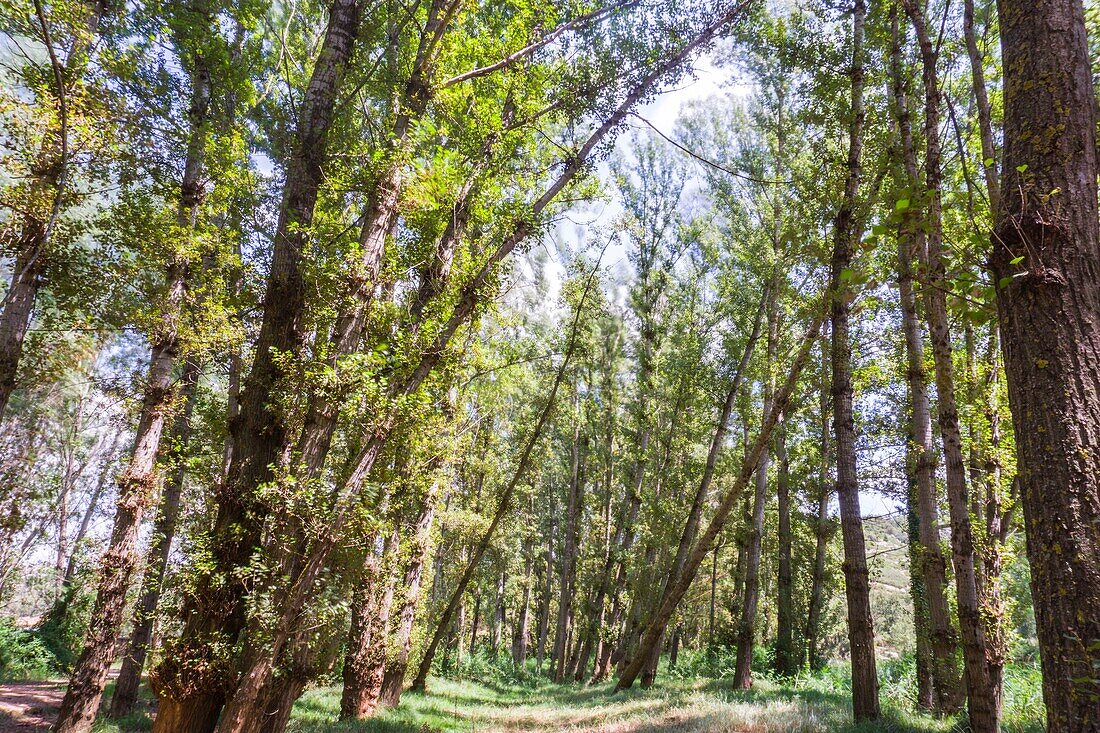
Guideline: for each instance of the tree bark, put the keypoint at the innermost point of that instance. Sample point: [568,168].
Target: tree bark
[164,530]
[522,624]
[996,520]
[822,526]
[190,681]
[934,612]
[498,617]
[364,663]
[985,114]
[981,705]
[598,612]
[475,624]
[861,635]
[746,625]
[569,552]
[137,483]
[547,594]
[823,529]
[401,644]
[786,661]
[1049,311]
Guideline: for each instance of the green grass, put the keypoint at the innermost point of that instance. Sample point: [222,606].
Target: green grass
[817,703]
[811,704]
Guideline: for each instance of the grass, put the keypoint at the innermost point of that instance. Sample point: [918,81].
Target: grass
[811,704]
[817,703]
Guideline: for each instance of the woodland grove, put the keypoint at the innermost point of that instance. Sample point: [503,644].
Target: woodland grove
[377,344]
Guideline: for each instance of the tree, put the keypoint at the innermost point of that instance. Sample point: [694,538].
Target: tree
[861,635]
[930,605]
[69,110]
[1044,245]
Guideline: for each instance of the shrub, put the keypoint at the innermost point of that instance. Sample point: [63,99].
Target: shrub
[62,629]
[23,655]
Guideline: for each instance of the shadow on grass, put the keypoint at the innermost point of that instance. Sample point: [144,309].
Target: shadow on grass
[671,706]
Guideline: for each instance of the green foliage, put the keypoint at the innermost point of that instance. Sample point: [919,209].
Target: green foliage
[62,629]
[24,654]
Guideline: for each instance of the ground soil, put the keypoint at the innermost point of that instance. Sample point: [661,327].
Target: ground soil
[29,706]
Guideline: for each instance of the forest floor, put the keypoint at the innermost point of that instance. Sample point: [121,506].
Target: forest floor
[29,706]
[699,706]
[814,705]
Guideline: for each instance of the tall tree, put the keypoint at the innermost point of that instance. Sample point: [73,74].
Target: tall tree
[931,609]
[188,701]
[137,484]
[1045,251]
[981,699]
[846,236]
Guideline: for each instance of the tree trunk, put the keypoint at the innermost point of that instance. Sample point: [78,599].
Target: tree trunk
[1049,313]
[861,635]
[926,687]
[934,613]
[49,181]
[997,521]
[137,484]
[674,646]
[569,554]
[164,530]
[498,618]
[786,662]
[521,631]
[364,663]
[401,644]
[746,627]
[547,593]
[597,613]
[980,696]
[189,682]
[15,318]
[985,114]
[602,667]
[823,530]
[475,624]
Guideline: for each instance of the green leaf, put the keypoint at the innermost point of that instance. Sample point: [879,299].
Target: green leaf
[1021,168]
[1016,260]
[988,161]
[1004,282]
[901,205]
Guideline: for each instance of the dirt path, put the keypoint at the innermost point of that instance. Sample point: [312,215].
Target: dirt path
[29,706]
